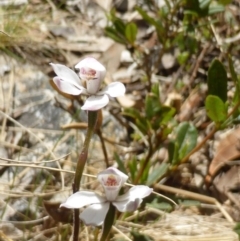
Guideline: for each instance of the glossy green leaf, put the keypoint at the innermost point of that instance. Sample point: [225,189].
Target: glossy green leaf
[157,173]
[120,26]
[152,106]
[113,34]
[131,32]
[186,138]
[216,109]
[217,80]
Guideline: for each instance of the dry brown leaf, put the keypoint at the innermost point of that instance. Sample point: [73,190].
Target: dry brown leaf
[228,180]
[126,101]
[190,105]
[3,237]
[228,149]
[58,214]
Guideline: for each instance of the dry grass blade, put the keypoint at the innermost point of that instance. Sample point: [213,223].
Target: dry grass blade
[37,138]
[195,196]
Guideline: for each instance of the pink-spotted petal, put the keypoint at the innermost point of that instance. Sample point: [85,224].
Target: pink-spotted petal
[81,199]
[114,89]
[95,214]
[66,74]
[92,72]
[95,102]
[67,87]
[112,180]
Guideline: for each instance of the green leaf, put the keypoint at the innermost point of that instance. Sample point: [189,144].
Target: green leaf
[155,90]
[224,2]
[217,80]
[134,113]
[131,32]
[204,3]
[186,138]
[189,203]
[215,9]
[120,163]
[141,122]
[172,152]
[157,173]
[167,113]
[216,109]
[113,34]
[152,106]
[108,222]
[132,165]
[157,24]
[120,26]
[237,229]
[165,206]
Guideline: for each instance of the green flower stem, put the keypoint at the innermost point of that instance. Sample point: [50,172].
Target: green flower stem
[92,120]
[108,222]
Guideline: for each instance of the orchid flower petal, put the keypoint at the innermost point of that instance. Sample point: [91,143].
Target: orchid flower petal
[131,200]
[92,72]
[66,74]
[114,89]
[95,214]
[95,102]
[81,199]
[139,191]
[112,180]
[67,87]
[128,205]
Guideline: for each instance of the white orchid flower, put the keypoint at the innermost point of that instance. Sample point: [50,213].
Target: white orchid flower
[91,74]
[112,180]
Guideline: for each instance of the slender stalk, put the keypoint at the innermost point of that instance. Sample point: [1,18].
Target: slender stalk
[146,161]
[99,133]
[92,120]
[108,222]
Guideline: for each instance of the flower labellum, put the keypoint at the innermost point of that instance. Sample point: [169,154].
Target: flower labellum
[97,206]
[91,75]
